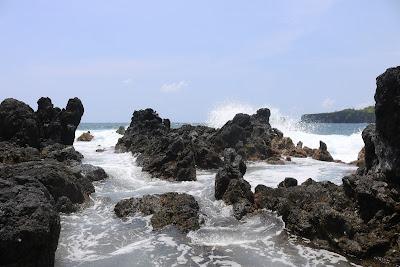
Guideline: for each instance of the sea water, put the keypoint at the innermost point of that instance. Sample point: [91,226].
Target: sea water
[94,236]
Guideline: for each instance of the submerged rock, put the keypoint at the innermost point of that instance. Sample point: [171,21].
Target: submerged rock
[178,209]
[85,137]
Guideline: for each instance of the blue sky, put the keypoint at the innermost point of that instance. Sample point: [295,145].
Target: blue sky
[185,57]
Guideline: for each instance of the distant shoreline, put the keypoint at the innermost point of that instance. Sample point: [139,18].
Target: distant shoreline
[365,115]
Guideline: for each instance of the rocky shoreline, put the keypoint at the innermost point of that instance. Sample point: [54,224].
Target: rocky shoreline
[41,175]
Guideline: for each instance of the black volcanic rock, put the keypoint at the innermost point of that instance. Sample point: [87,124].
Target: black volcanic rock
[162,152]
[11,153]
[29,223]
[58,178]
[361,217]
[18,123]
[58,125]
[230,185]
[322,153]
[251,136]
[178,209]
[382,142]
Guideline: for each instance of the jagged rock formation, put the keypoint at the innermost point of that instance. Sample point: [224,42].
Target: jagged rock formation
[249,135]
[40,175]
[178,209]
[360,218]
[166,153]
[231,187]
[322,153]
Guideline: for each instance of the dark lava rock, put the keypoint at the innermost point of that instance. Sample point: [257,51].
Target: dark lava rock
[288,182]
[230,185]
[361,217]
[18,123]
[163,153]
[65,205]
[29,224]
[322,153]
[21,125]
[85,137]
[62,153]
[59,179]
[56,125]
[11,153]
[178,209]
[251,135]
[121,130]
[93,173]
[382,141]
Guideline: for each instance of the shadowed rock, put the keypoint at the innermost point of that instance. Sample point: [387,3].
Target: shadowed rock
[178,209]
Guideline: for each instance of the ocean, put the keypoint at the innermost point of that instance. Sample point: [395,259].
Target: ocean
[94,236]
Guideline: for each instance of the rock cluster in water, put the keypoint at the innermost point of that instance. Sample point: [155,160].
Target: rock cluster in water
[40,175]
[178,209]
[361,217]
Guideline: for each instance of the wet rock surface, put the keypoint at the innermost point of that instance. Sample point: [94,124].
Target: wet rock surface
[360,217]
[231,187]
[178,209]
[322,153]
[85,137]
[29,223]
[38,179]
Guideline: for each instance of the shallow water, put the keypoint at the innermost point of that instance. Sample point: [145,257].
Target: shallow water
[96,237]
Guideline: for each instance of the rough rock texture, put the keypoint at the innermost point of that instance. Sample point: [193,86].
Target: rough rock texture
[29,223]
[21,125]
[230,185]
[59,179]
[11,153]
[163,153]
[93,173]
[37,178]
[288,182]
[121,130]
[18,123]
[322,153]
[56,125]
[85,137]
[382,141]
[360,218]
[251,136]
[178,209]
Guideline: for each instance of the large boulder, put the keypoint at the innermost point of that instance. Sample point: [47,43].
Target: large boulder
[382,141]
[18,123]
[164,153]
[250,135]
[29,223]
[322,153]
[58,178]
[178,209]
[231,187]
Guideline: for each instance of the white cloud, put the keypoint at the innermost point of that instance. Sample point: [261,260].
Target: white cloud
[328,103]
[173,87]
[127,81]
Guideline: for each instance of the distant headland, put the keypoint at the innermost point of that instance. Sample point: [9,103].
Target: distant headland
[365,115]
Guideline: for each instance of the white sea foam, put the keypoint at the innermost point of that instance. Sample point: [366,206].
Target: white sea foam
[342,147]
[96,237]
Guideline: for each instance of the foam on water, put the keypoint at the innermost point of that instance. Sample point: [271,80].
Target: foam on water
[342,147]
[96,237]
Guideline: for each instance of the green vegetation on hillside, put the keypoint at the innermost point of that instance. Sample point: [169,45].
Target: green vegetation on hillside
[365,115]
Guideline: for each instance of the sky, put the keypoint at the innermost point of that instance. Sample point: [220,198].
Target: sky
[185,58]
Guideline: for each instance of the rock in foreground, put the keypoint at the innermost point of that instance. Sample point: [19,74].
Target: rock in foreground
[178,209]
